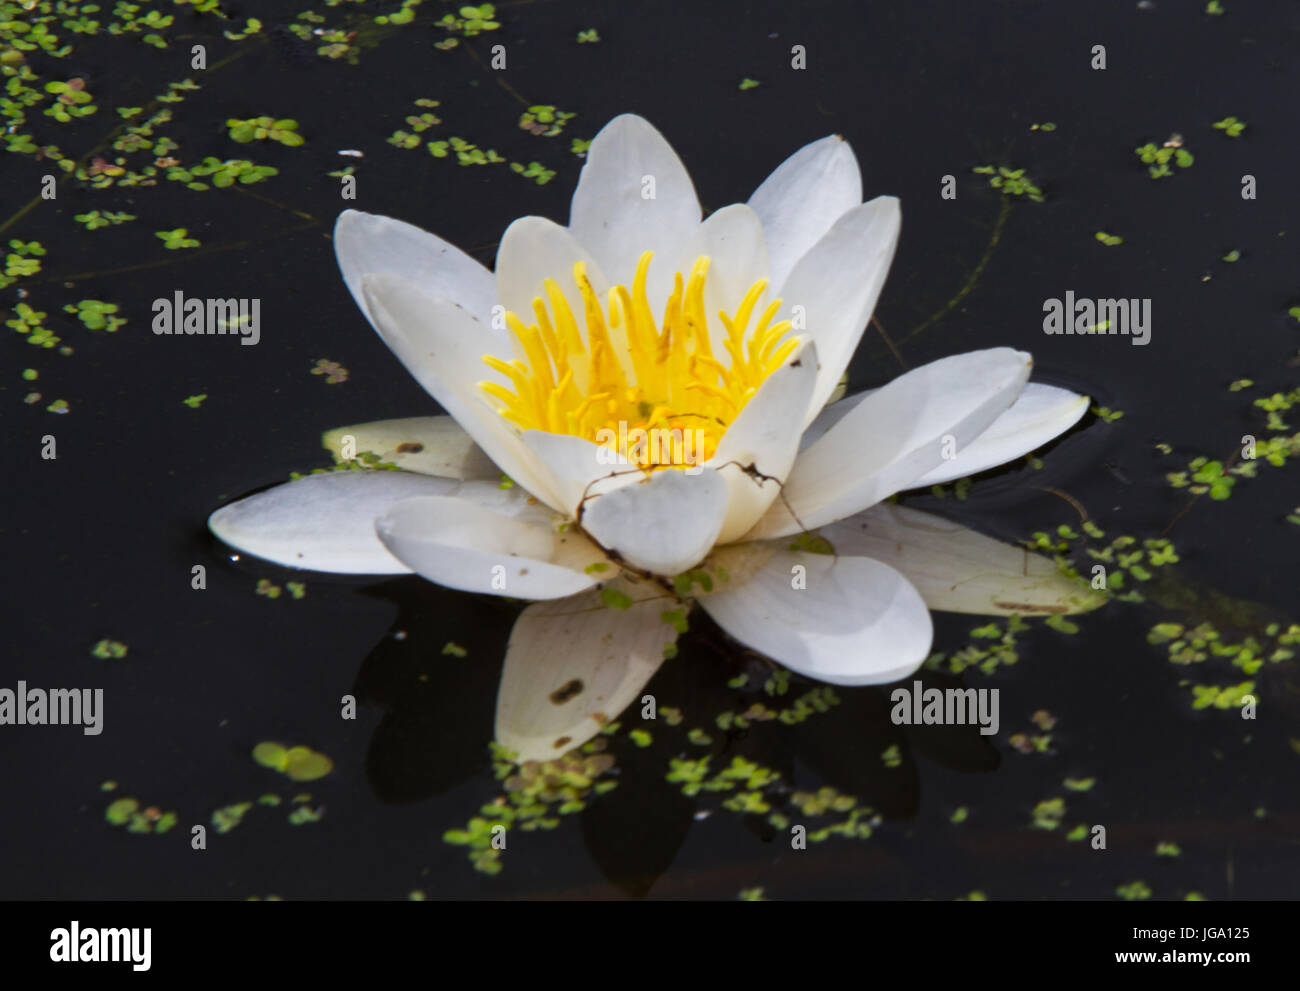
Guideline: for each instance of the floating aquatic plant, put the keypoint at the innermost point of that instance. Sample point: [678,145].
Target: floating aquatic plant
[1158,157]
[285,131]
[1230,126]
[1011,182]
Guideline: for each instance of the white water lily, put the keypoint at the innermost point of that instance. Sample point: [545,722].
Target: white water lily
[734,330]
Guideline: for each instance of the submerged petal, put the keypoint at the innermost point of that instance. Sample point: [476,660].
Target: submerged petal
[957,569]
[573,665]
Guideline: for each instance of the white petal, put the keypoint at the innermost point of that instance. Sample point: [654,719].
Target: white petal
[366,243]
[958,570]
[612,215]
[857,621]
[831,414]
[575,466]
[1039,413]
[758,450]
[732,238]
[800,200]
[841,387]
[664,523]
[439,344]
[513,502]
[534,249]
[573,666]
[430,445]
[323,522]
[838,282]
[894,436]
[458,543]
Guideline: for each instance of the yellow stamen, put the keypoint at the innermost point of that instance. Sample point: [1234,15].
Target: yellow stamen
[627,375]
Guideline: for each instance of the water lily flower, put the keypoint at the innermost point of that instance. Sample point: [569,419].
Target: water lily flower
[656,386]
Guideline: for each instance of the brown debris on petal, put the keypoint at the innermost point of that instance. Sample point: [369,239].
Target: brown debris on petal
[567,692]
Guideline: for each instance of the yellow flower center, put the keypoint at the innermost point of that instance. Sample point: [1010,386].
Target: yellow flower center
[660,398]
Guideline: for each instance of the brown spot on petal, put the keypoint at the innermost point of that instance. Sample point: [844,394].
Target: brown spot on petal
[600,718]
[563,741]
[409,447]
[566,692]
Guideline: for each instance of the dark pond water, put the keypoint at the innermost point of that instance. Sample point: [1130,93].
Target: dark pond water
[100,542]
